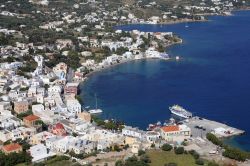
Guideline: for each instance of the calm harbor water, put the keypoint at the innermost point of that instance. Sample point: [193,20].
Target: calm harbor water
[212,80]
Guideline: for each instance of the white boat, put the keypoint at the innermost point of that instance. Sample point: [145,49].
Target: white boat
[164,55]
[180,111]
[96,110]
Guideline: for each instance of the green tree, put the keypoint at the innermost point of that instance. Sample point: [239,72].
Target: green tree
[194,154]
[119,163]
[212,163]
[24,89]
[78,97]
[235,153]
[199,162]
[74,134]
[179,150]
[141,152]
[116,148]
[145,158]
[211,137]
[166,147]
[14,158]
[22,115]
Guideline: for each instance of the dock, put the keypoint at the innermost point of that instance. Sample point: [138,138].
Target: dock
[201,126]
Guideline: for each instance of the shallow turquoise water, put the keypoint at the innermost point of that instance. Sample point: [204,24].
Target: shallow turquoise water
[212,80]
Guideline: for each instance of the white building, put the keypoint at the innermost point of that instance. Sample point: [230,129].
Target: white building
[5,106]
[37,108]
[82,146]
[59,144]
[73,106]
[40,153]
[55,89]
[60,70]
[152,136]
[9,122]
[133,132]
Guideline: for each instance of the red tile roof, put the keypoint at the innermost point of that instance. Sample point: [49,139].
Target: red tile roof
[31,118]
[170,128]
[11,147]
[58,126]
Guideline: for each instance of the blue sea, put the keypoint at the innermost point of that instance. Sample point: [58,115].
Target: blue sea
[212,79]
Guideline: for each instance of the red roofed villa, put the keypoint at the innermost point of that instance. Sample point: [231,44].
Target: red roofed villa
[11,148]
[30,120]
[175,133]
[170,128]
[59,130]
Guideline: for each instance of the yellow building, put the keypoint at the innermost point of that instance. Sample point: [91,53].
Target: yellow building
[175,133]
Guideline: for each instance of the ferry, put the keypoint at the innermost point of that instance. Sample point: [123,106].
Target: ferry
[180,111]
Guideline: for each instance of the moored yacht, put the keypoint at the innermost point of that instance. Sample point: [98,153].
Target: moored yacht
[96,110]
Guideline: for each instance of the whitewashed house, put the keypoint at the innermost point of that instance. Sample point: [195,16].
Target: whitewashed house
[133,132]
[40,153]
[73,106]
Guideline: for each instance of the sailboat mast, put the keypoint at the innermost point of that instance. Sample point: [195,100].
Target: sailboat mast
[95,102]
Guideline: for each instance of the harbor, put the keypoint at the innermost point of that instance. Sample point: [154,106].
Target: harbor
[199,126]
[200,81]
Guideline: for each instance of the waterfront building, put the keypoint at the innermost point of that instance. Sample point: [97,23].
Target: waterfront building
[175,133]
[133,132]
[71,88]
[73,106]
[85,116]
[153,136]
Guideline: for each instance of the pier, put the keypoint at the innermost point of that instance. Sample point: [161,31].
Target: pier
[200,127]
